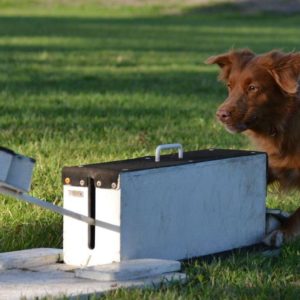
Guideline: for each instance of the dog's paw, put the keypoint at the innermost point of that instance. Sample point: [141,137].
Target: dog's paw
[274,239]
[272,223]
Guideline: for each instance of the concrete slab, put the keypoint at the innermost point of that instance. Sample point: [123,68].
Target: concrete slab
[28,284]
[32,277]
[29,258]
[129,270]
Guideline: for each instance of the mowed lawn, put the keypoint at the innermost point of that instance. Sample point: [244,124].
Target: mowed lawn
[92,83]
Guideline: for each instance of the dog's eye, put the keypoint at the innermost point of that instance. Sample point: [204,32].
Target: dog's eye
[229,85]
[252,88]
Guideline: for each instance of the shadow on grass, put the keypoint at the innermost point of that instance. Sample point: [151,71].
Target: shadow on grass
[97,42]
[163,83]
[134,30]
[246,7]
[78,48]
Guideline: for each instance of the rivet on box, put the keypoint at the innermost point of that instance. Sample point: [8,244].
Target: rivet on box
[67,180]
[114,185]
[81,182]
[98,183]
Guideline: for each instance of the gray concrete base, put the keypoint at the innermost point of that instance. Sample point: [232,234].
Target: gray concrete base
[48,277]
[129,270]
[29,258]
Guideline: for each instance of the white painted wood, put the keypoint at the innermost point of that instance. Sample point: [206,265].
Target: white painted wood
[75,236]
[107,248]
[29,258]
[129,270]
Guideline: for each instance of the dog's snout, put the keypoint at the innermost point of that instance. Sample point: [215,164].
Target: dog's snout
[223,115]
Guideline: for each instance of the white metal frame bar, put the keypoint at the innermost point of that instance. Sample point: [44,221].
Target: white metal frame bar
[58,209]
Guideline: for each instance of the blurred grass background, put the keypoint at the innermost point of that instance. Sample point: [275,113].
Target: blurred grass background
[90,81]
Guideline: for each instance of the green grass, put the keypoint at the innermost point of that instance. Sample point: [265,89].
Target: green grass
[85,83]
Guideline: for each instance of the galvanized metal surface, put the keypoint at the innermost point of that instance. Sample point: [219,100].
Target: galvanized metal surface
[193,210]
[16,170]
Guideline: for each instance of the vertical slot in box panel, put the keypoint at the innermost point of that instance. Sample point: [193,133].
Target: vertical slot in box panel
[91,212]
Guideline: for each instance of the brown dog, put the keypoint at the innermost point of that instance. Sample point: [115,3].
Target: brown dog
[264,103]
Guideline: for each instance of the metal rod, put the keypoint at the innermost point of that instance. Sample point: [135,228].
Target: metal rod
[58,209]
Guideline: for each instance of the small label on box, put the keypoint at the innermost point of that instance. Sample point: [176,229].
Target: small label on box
[77,194]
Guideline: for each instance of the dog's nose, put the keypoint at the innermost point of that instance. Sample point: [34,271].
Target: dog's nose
[223,115]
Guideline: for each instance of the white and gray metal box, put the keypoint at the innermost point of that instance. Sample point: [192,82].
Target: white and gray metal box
[16,170]
[206,202]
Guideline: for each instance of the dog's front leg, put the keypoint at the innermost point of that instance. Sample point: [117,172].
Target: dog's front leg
[289,229]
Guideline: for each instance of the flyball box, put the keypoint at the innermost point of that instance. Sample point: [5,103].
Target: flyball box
[209,201]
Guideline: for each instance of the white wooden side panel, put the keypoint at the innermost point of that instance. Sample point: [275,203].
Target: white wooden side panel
[192,210]
[107,242]
[75,232]
[107,248]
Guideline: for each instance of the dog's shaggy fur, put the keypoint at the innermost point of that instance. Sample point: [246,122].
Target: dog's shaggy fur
[264,103]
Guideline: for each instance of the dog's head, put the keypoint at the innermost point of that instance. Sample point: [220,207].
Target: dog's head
[260,87]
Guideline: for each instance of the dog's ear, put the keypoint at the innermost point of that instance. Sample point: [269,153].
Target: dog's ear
[228,61]
[224,61]
[285,69]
